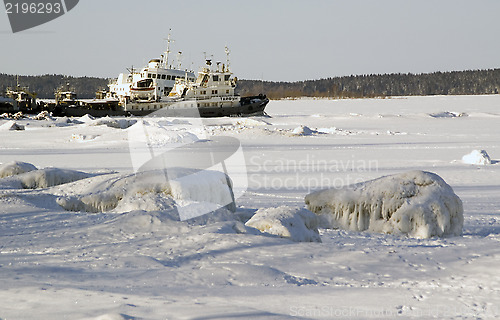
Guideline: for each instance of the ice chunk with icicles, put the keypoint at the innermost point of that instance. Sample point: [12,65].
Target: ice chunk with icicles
[190,192]
[417,203]
[15,168]
[50,177]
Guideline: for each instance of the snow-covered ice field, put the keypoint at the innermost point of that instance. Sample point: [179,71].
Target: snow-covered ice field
[128,264]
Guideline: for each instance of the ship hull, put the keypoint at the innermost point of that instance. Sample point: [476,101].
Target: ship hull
[246,106]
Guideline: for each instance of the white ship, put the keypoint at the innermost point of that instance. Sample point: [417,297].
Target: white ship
[210,95]
[151,83]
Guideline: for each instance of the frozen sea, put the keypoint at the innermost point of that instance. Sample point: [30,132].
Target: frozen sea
[59,264]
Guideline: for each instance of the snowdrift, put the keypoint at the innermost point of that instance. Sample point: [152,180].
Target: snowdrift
[417,203]
[11,126]
[36,179]
[303,131]
[86,118]
[477,157]
[158,135]
[108,121]
[189,192]
[299,225]
[179,193]
[448,114]
[51,177]
[112,316]
[15,168]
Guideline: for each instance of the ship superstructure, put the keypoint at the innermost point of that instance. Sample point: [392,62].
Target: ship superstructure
[169,92]
[151,83]
[24,100]
[212,94]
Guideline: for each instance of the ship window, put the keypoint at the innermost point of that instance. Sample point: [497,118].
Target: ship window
[216,78]
[149,75]
[227,91]
[169,77]
[154,76]
[226,77]
[214,91]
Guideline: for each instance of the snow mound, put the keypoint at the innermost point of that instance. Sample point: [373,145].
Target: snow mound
[113,123]
[191,192]
[15,168]
[86,118]
[417,203]
[138,221]
[83,137]
[159,135]
[62,122]
[477,157]
[11,126]
[50,177]
[448,114]
[300,225]
[335,130]
[114,316]
[303,131]
[249,122]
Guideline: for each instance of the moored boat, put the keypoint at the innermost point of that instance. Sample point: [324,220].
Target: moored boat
[150,83]
[212,94]
[19,98]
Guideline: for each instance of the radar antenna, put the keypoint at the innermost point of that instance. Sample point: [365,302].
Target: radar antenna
[131,70]
[179,59]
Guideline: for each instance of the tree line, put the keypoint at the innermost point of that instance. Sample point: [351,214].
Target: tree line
[470,82]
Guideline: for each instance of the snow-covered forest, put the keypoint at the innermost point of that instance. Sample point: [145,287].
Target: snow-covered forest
[472,82]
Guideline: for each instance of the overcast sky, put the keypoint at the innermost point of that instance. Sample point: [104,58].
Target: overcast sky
[279,40]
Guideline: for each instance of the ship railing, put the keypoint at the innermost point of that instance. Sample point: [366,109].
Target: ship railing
[207,97]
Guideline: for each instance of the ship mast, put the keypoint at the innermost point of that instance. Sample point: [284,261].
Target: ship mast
[165,57]
[226,49]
